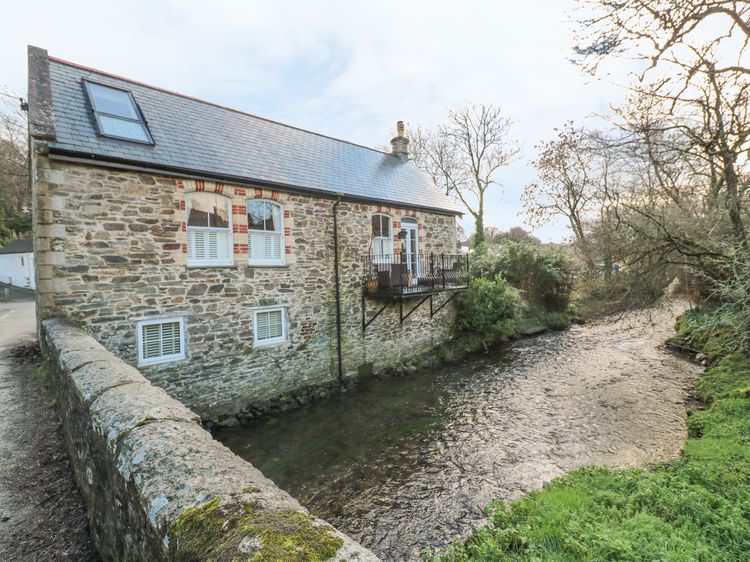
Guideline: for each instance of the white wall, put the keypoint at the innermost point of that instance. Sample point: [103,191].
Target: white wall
[17,269]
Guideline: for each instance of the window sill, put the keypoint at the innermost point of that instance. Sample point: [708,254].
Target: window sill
[267,344]
[256,264]
[212,265]
[162,360]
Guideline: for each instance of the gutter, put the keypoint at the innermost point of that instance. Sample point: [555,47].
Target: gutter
[74,157]
[338,288]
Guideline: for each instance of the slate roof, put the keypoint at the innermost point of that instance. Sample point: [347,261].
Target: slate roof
[23,246]
[205,138]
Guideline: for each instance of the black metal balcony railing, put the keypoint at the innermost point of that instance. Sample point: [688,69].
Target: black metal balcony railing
[401,274]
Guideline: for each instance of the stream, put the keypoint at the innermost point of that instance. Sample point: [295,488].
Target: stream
[403,463]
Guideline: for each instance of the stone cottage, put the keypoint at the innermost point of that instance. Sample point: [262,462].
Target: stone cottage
[231,258]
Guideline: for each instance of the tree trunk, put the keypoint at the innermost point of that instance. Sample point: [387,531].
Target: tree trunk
[733,200]
[479,222]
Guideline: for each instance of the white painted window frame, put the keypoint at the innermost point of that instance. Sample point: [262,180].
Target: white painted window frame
[270,341]
[280,232]
[164,358]
[209,262]
[379,257]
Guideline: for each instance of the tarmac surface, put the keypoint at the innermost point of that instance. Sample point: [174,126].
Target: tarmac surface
[42,516]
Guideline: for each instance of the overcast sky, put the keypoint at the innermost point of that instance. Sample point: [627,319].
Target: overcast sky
[345,69]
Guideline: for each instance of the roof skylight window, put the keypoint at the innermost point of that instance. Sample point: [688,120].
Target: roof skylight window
[117,114]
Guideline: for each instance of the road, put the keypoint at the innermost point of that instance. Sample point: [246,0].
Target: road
[42,516]
[17,323]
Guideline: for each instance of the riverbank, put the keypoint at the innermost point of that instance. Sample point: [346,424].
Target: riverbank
[694,508]
[409,462]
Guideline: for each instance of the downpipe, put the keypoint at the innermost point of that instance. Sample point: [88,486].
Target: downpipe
[338,288]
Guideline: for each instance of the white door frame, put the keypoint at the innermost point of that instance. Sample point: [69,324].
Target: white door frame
[412,230]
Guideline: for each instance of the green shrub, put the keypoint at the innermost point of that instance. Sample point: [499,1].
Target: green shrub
[597,294]
[544,276]
[487,310]
[732,289]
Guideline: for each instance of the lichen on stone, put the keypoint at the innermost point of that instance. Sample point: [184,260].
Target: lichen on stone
[241,530]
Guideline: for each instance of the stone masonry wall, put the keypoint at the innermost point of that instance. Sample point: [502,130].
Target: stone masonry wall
[156,485]
[111,249]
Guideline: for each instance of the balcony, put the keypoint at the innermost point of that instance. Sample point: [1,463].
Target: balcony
[399,274]
[397,277]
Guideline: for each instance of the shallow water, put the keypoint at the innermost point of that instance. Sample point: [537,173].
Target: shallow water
[403,463]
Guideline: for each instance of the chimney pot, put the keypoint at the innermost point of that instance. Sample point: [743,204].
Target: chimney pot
[399,143]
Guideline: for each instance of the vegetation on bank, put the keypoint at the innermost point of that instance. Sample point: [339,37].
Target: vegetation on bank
[518,286]
[543,275]
[693,508]
[493,310]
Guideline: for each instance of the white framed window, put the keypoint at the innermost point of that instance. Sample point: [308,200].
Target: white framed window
[269,326]
[265,233]
[209,229]
[382,236]
[160,340]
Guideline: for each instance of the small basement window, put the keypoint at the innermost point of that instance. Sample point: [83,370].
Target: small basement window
[160,341]
[117,114]
[269,326]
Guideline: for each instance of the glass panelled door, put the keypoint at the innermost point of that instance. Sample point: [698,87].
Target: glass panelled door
[412,247]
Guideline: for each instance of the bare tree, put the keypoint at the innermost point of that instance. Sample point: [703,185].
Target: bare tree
[464,154]
[695,81]
[566,185]
[15,193]
[682,34]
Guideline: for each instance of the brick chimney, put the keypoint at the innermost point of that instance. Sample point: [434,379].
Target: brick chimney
[399,143]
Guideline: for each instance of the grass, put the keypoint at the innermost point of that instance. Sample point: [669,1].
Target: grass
[693,508]
[538,316]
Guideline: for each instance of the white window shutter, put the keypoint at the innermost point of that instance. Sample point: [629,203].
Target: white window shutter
[223,245]
[269,324]
[265,246]
[197,244]
[268,246]
[151,341]
[275,328]
[213,245]
[276,248]
[170,338]
[208,245]
[253,241]
[263,328]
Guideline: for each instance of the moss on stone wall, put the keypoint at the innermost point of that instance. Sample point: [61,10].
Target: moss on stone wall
[240,530]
